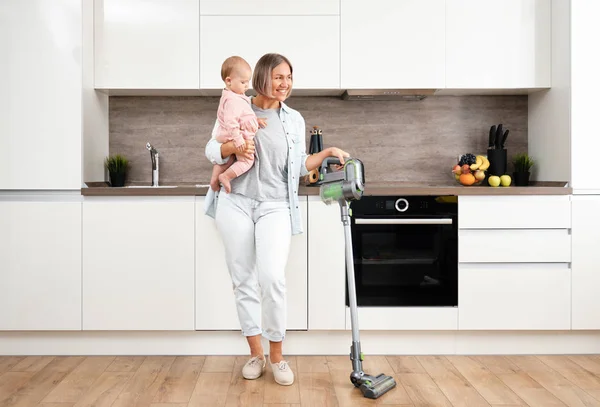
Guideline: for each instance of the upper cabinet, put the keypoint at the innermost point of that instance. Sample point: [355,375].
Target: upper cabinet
[180,45]
[392,44]
[311,43]
[148,44]
[41,94]
[498,44]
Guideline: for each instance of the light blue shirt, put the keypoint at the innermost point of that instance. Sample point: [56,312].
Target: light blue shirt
[295,129]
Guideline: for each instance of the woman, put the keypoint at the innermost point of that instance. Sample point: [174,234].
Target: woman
[257,219]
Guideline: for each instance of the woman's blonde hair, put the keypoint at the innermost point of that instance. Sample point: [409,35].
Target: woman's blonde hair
[261,80]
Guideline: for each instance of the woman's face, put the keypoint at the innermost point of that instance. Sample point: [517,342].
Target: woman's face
[281,81]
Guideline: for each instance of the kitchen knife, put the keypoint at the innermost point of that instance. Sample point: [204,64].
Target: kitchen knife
[498,136]
[504,138]
[492,137]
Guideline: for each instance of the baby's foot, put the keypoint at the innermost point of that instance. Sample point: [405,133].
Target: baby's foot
[223,179]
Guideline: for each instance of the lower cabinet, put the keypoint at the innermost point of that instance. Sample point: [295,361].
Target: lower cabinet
[405,318]
[586,262]
[215,303]
[40,264]
[514,296]
[138,263]
[326,266]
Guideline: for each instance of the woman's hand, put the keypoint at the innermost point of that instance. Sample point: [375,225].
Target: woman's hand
[248,152]
[315,160]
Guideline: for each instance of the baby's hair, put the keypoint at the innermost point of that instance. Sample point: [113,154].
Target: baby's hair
[231,64]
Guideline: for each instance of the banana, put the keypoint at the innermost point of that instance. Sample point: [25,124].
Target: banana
[478,163]
[485,162]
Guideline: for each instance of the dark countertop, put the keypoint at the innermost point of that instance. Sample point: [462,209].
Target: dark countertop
[383,188]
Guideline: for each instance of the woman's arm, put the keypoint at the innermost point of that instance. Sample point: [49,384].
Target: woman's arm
[218,153]
[315,160]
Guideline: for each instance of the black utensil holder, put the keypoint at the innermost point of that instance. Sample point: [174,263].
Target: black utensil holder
[497,159]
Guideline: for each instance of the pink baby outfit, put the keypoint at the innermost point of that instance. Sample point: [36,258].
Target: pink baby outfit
[237,122]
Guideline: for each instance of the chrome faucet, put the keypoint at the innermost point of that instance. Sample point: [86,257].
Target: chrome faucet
[154,158]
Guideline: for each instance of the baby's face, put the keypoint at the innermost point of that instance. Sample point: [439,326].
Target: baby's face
[240,80]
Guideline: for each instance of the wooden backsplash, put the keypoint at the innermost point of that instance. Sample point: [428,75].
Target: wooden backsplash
[396,140]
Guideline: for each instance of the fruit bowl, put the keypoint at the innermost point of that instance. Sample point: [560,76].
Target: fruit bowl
[470,169]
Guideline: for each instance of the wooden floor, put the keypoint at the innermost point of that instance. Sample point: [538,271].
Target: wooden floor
[167,381]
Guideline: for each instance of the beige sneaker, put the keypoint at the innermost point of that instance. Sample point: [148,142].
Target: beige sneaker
[282,373]
[253,368]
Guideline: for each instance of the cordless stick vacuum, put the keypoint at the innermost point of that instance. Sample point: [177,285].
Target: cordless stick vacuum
[343,186]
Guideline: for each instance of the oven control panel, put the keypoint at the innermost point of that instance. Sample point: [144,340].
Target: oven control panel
[404,205]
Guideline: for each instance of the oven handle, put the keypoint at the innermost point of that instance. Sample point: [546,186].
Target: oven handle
[404,221]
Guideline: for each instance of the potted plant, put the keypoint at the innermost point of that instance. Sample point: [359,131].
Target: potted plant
[117,167]
[522,163]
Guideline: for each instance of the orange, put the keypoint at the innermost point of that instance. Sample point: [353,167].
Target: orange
[467,179]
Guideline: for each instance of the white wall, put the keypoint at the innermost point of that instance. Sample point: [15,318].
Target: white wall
[95,106]
[549,111]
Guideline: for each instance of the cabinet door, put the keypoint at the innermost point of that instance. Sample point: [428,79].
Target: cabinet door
[40,265]
[147,44]
[40,96]
[138,263]
[215,302]
[311,43]
[585,66]
[514,296]
[392,44]
[586,258]
[498,43]
[326,266]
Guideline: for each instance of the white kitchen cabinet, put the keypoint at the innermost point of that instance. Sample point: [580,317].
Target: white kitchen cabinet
[585,263]
[514,296]
[390,44]
[138,263]
[40,263]
[405,318]
[514,245]
[498,44]
[326,266]
[215,302]
[40,100]
[584,66]
[311,43]
[148,44]
[269,7]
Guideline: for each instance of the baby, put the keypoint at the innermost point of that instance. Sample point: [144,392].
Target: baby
[236,119]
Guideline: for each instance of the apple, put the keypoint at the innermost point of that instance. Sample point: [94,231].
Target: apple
[479,175]
[466,168]
[457,169]
[505,180]
[494,180]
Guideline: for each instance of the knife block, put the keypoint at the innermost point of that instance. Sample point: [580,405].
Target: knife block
[497,159]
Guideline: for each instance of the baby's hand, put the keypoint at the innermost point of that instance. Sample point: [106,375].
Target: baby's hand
[262,123]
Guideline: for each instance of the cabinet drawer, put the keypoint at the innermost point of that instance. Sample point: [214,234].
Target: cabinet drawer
[514,297]
[409,318]
[514,245]
[509,212]
[269,7]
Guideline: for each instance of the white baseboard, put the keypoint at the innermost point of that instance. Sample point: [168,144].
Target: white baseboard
[299,343]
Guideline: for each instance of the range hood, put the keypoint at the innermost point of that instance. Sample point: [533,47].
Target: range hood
[387,94]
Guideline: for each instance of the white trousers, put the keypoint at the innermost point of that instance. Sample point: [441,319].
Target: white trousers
[256,236]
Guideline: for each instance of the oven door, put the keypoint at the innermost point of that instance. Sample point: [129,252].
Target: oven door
[406,261]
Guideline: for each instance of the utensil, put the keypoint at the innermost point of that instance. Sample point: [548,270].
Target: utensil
[504,138]
[492,137]
[498,135]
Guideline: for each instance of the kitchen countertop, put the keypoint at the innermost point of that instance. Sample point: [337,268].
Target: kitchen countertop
[382,188]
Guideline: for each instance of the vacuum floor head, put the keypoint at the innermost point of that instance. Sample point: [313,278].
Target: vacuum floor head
[375,387]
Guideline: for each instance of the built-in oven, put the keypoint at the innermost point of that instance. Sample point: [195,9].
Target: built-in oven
[405,250]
